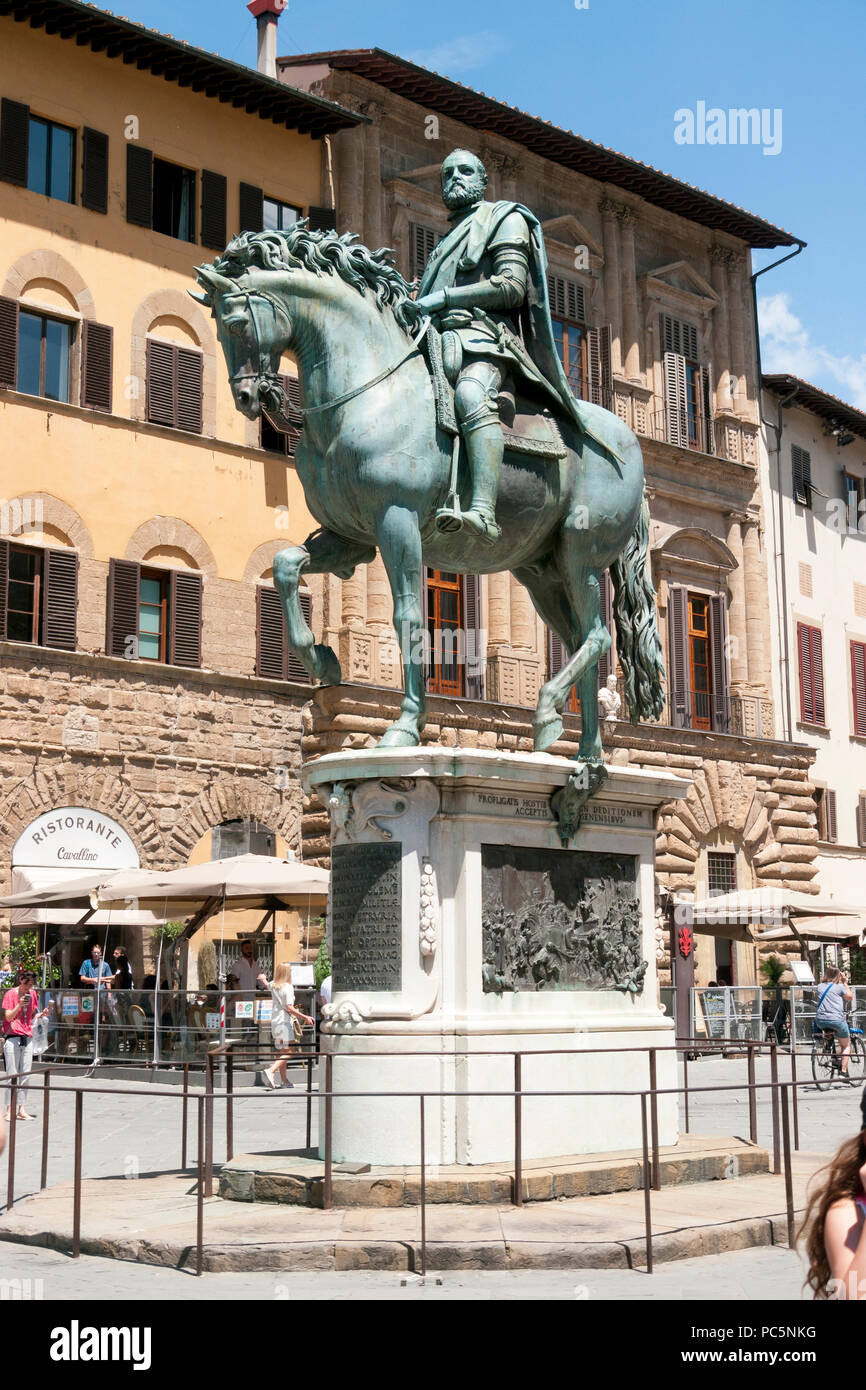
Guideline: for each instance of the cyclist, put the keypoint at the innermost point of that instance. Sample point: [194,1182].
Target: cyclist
[830,1014]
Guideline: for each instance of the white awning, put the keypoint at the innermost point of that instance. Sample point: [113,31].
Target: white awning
[60,897]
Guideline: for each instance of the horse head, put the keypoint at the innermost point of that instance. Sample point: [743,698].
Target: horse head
[254,329]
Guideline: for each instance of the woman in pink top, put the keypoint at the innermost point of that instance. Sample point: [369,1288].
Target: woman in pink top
[20,1008]
[835,1224]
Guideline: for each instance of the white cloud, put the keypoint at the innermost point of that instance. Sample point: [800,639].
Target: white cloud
[786,346]
[460,54]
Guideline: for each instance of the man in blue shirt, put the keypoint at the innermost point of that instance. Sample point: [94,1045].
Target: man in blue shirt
[95,969]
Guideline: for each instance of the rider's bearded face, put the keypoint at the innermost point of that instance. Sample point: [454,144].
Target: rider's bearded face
[463,182]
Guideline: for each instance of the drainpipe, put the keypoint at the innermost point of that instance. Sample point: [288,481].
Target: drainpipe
[267,13]
[776,426]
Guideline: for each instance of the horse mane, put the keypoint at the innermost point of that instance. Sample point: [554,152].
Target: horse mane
[328,253]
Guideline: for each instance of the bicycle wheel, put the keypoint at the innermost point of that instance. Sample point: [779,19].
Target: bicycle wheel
[857,1060]
[822,1064]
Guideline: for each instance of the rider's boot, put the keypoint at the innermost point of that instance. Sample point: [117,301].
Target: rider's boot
[485,447]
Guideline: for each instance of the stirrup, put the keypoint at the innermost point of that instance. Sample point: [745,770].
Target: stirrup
[450,517]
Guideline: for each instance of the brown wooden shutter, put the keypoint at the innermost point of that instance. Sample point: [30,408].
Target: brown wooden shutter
[606,665]
[706,408]
[295,669]
[139,186]
[600,382]
[858,686]
[678,646]
[252,213]
[426,652]
[96,365]
[121,623]
[566,298]
[809,647]
[59,599]
[4,588]
[861,821]
[188,389]
[556,654]
[94,170]
[422,241]
[214,197]
[676,421]
[721,704]
[323,219]
[832,832]
[14,135]
[8,342]
[184,618]
[473,684]
[289,419]
[801,473]
[160,385]
[271,648]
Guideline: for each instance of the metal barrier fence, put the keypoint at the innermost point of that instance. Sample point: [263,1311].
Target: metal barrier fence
[804,1004]
[783,1109]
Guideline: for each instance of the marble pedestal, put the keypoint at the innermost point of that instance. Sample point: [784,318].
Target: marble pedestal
[427,842]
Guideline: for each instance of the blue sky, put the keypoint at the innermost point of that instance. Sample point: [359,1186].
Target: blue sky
[617,71]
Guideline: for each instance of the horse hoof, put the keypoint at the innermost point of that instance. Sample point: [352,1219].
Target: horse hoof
[397,737]
[328,670]
[543,735]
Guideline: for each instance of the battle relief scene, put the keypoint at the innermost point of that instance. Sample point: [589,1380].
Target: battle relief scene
[429,789]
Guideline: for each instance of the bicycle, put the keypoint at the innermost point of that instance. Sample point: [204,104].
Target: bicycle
[827,1059]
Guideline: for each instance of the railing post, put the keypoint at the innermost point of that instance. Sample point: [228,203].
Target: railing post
[184,1116]
[76,1181]
[13,1119]
[46,1108]
[789,1177]
[423,1198]
[327,1187]
[199,1201]
[309,1101]
[230,1105]
[753,1097]
[208,1138]
[774,1078]
[686,1091]
[654,1119]
[517,1195]
[795,1099]
[647,1199]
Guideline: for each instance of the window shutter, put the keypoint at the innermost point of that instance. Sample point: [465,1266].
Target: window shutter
[679,337]
[214,197]
[94,170]
[861,821]
[706,408]
[598,366]
[252,213]
[139,186]
[323,219]
[832,833]
[60,599]
[676,422]
[567,299]
[8,342]
[606,665]
[678,642]
[425,623]
[423,240]
[858,686]
[290,420]
[809,646]
[160,392]
[122,608]
[184,619]
[801,469]
[96,364]
[14,134]
[295,669]
[721,705]
[4,587]
[556,654]
[270,634]
[188,390]
[473,684]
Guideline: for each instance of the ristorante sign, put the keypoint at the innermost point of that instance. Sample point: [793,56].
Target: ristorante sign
[75,837]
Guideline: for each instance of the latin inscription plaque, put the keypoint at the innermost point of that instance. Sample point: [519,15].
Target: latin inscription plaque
[366,917]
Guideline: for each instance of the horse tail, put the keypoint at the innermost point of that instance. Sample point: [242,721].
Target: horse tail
[637,638]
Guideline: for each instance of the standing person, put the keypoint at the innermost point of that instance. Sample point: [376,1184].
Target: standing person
[830,1013]
[95,969]
[246,968]
[122,970]
[20,1011]
[286,1022]
[835,1224]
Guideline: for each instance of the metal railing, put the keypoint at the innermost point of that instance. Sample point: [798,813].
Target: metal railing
[783,1097]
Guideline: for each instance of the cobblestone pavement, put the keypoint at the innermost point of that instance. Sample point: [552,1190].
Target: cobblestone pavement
[747,1275]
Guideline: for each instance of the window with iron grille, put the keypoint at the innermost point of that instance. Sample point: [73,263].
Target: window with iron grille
[721,874]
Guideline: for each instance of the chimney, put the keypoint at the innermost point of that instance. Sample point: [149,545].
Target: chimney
[267,12]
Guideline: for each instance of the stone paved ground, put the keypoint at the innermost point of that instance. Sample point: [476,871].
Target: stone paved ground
[742,1276]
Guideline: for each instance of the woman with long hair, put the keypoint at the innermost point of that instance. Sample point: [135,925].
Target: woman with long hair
[835,1223]
[286,1023]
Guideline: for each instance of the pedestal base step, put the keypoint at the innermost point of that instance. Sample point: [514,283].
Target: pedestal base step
[297,1178]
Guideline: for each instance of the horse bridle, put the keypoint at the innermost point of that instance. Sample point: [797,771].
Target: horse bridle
[250,294]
